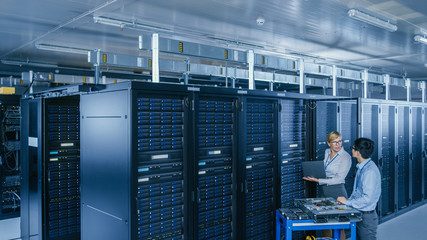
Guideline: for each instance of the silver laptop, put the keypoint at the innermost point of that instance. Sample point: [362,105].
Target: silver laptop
[313,169]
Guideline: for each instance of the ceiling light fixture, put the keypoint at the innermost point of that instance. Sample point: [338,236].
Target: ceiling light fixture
[128,24]
[358,15]
[420,39]
[58,48]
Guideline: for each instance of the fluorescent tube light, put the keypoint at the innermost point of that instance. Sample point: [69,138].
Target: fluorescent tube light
[57,48]
[358,15]
[127,24]
[420,39]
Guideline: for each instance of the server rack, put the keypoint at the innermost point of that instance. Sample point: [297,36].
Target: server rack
[215,164]
[348,127]
[339,114]
[50,170]
[387,163]
[292,150]
[416,155]
[403,164]
[134,162]
[260,161]
[10,184]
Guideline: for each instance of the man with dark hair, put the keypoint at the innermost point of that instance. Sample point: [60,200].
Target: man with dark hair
[366,189]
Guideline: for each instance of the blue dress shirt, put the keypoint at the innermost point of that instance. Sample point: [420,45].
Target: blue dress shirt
[367,187]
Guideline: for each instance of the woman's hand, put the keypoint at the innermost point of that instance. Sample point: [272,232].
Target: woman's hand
[311,179]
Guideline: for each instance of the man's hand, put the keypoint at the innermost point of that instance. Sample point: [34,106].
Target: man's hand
[341,200]
[311,179]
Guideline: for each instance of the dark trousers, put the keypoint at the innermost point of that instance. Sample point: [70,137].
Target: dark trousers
[367,228]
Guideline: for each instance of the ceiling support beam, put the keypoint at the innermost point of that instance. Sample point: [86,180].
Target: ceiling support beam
[365,83]
[155,55]
[387,86]
[408,89]
[251,62]
[334,80]
[301,76]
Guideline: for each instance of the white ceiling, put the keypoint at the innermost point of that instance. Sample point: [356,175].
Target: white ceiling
[320,29]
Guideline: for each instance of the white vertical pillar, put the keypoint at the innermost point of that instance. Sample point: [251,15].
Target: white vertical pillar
[408,89]
[155,57]
[365,83]
[301,76]
[423,93]
[31,78]
[387,86]
[251,61]
[334,80]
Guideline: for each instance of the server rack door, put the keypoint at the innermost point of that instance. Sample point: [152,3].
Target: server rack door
[215,153]
[416,155]
[160,167]
[61,169]
[105,165]
[387,162]
[260,165]
[31,155]
[403,156]
[348,129]
[292,150]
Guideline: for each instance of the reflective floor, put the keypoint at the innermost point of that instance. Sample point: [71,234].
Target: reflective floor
[411,225]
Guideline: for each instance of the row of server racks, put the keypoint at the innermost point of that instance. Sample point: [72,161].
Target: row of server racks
[157,161]
[399,129]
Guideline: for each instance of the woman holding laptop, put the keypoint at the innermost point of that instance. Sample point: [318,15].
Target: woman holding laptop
[337,163]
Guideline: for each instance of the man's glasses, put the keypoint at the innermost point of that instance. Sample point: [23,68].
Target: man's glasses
[336,142]
[354,148]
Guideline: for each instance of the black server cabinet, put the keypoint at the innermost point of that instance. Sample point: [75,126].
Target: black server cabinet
[134,163]
[50,168]
[417,155]
[403,184]
[387,161]
[215,165]
[348,127]
[260,163]
[292,150]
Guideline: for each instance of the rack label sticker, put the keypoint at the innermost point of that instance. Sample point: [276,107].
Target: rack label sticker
[249,166]
[202,172]
[161,156]
[293,145]
[242,92]
[215,152]
[53,159]
[194,89]
[258,149]
[143,169]
[202,163]
[281,95]
[67,144]
[346,141]
[248,159]
[143,179]
[32,142]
